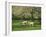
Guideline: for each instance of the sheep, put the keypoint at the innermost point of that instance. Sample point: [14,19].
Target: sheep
[31,23]
[24,22]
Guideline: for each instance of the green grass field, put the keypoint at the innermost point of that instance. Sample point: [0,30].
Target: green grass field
[17,25]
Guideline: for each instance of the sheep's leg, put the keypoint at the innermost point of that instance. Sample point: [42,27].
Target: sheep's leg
[32,24]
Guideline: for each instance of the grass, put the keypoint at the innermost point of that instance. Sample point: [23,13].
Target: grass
[17,25]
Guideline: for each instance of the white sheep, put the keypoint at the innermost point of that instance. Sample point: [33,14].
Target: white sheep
[24,22]
[31,23]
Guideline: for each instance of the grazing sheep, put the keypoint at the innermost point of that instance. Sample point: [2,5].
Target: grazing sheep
[31,23]
[24,22]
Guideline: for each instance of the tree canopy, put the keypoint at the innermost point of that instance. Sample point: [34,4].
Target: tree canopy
[25,12]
